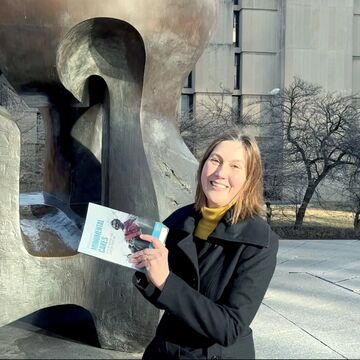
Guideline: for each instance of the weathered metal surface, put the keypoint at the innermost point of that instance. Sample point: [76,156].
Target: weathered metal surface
[143,51]
[174,33]
[29,283]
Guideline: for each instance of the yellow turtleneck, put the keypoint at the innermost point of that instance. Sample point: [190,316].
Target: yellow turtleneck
[211,217]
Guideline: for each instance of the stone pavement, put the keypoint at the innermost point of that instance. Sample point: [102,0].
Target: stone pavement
[311,310]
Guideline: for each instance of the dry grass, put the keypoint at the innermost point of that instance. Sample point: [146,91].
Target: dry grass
[285,215]
[318,224]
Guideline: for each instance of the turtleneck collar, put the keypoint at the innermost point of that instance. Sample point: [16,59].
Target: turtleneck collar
[210,219]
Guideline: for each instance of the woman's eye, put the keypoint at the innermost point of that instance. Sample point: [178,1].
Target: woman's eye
[235,166]
[215,161]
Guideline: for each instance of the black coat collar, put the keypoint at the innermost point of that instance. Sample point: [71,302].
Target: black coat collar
[253,231]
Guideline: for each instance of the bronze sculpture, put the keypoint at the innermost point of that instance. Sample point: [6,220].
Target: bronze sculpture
[112,74]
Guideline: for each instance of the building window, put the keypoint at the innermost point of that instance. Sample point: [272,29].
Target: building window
[236,28]
[188,81]
[237,72]
[236,2]
[187,103]
[236,106]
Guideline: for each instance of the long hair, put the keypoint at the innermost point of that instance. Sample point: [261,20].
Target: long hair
[249,201]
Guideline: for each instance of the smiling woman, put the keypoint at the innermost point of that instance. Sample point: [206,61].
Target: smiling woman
[231,172]
[223,174]
[218,261]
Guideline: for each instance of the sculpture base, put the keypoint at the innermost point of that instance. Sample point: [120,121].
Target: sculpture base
[21,339]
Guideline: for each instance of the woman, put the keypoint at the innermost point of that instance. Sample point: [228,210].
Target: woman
[218,261]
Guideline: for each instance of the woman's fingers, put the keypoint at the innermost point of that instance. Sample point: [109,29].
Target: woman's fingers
[142,264]
[155,260]
[152,239]
[145,256]
[147,237]
[137,255]
[145,252]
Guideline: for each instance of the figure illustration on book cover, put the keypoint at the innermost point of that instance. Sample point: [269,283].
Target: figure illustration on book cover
[132,232]
[114,235]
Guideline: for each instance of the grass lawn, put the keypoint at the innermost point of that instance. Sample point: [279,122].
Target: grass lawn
[318,223]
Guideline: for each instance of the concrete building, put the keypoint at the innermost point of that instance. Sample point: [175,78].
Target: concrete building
[260,45]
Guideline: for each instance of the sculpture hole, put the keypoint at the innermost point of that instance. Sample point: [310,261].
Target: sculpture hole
[69,321]
[48,231]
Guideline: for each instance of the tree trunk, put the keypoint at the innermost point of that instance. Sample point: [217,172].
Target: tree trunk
[357,221]
[302,209]
[268,212]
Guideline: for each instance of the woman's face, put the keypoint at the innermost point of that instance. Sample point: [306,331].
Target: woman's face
[224,173]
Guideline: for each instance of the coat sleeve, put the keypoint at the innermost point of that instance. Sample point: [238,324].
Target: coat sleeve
[146,288]
[223,321]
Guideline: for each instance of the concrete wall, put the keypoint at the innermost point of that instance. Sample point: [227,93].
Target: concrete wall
[356,49]
[318,42]
[213,72]
[259,46]
[32,132]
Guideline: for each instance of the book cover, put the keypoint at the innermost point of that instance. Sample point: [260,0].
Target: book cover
[113,235]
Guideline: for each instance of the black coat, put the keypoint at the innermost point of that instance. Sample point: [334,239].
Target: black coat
[209,318]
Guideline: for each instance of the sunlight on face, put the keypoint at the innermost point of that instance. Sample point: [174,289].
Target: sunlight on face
[224,173]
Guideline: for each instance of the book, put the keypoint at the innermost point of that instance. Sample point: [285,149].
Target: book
[113,235]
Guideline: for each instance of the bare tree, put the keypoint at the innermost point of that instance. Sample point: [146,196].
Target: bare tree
[317,131]
[213,116]
[349,178]
[353,194]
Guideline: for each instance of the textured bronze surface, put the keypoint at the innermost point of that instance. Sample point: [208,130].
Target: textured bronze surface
[122,65]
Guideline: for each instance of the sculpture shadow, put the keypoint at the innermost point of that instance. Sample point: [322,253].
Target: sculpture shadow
[67,321]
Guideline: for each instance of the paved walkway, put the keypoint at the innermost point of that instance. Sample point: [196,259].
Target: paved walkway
[312,310]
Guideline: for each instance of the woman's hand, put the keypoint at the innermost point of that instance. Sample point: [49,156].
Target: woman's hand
[154,259]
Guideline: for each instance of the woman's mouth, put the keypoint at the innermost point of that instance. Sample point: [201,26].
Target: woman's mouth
[218,185]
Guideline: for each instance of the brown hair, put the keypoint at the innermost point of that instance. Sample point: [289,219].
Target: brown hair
[250,200]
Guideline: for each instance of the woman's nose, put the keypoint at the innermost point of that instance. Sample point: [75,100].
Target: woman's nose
[221,171]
